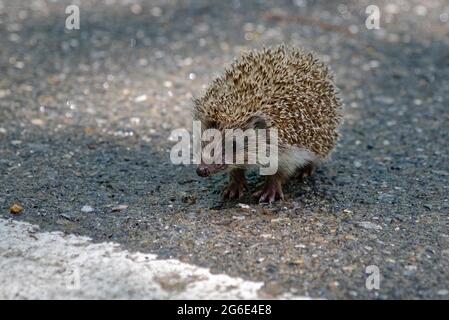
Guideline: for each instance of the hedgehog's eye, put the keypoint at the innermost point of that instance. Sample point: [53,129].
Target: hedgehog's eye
[260,124]
[211,124]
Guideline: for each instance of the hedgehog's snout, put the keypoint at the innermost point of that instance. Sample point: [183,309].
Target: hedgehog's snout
[203,170]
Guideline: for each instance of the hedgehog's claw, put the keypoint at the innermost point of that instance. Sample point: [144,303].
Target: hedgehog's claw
[237,185]
[269,195]
[271,191]
[234,191]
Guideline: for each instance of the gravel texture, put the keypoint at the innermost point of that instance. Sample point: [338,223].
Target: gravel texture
[85,119]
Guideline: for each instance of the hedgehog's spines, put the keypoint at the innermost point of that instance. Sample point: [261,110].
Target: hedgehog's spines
[287,85]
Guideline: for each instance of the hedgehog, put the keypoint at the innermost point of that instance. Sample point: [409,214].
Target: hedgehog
[283,88]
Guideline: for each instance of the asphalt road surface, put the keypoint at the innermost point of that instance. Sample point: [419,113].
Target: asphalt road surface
[85,121]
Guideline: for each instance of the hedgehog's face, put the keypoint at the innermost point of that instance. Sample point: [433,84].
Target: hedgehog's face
[220,147]
[212,153]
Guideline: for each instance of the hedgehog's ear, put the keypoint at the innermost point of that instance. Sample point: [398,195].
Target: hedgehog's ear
[258,122]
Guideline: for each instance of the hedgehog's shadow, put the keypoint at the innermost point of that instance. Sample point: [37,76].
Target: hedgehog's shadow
[312,190]
[299,187]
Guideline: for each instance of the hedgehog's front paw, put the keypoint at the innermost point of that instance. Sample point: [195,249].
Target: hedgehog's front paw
[270,192]
[235,190]
[237,185]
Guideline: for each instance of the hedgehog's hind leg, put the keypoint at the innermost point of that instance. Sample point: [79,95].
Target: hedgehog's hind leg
[272,189]
[290,159]
[237,184]
[307,170]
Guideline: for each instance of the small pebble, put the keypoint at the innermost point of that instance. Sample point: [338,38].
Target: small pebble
[87,209]
[443,292]
[370,225]
[421,10]
[120,207]
[141,98]
[16,208]
[37,122]
[136,8]
[411,268]
[279,220]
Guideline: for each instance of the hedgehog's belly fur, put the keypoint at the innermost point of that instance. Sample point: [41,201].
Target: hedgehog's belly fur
[292,158]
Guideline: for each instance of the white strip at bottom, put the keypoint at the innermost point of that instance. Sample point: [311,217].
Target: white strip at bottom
[52,265]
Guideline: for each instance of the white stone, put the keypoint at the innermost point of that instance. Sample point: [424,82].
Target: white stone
[87,209]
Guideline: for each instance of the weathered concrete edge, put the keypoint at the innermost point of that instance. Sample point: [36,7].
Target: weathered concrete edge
[53,265]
